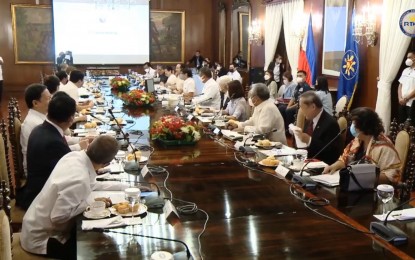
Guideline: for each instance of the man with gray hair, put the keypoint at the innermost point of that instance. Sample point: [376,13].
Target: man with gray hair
[320,128]
[266,118]
[49,220]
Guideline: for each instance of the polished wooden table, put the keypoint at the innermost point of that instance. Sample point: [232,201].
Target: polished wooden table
[252,214]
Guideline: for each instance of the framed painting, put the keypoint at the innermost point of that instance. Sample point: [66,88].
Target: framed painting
[167,32]
[334,39]
[32,34]
[243,34]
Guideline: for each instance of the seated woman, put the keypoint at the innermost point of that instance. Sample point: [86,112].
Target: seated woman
[370,144]
[322,90]
[237,108]
[189,85]
[271,84]
[223,90]
[286,91]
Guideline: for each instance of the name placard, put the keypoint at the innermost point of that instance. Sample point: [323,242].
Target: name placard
[281,170]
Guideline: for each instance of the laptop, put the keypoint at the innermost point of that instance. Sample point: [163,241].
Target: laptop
[150,85]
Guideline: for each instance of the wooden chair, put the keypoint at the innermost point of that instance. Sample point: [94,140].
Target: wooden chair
[342,121]
[10,242]
[340,107]
[5,167]
[15,126]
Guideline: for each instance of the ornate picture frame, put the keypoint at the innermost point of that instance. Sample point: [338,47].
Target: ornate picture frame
[32,34]
[167,36]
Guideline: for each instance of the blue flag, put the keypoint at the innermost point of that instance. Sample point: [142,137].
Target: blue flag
[349,70]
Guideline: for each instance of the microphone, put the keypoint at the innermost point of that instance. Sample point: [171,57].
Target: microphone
[390,233]
[262,136]
[134,167]
[305,181]
[178,255]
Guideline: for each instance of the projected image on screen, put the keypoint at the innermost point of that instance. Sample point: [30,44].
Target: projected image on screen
[102,32]
[334,42]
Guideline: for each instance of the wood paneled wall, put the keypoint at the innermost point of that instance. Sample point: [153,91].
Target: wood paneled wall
[200,34]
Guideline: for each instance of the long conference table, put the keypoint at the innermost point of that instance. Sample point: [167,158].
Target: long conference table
[252,214]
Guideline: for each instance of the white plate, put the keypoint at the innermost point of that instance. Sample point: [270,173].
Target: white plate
[106,213]
[260,163]
[142,210]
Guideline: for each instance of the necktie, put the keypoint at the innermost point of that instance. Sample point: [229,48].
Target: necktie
[64,140]
[310,129]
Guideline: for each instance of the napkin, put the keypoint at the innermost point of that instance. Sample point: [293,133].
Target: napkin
[405,214]
[103,223]
[313,165]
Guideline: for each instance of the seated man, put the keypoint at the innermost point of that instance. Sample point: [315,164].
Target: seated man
[63,77]
[211,95]
[288,112]
[37,99]
[46,146]
[234,73]
[76,80]
[160,74]
[319,129]
[48,222]
[171,78]
[148,69]
[266,116]
[52,82]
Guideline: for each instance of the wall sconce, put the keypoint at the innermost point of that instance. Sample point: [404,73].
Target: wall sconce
[255,33]
[365,26]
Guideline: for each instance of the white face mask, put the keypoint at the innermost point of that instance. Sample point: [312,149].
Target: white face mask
[250,102]
[285,82]
[218,68]
[299,79]
[147,70]
[266,77]
[409,62]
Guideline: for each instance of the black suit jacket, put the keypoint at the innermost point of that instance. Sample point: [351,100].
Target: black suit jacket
[326,129]
[194,60]
[45,148]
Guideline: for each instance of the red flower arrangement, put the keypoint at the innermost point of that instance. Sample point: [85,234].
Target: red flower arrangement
[174,128]
[120,84]
[138,98]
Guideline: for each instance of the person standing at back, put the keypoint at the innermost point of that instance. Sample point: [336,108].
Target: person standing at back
[406,90]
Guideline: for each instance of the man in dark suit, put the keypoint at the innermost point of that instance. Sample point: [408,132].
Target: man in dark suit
[197,60]
[46,146]
[320,128]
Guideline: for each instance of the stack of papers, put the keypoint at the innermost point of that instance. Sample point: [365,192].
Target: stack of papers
[279,152]
[231,135]
[405,214]
[331,180]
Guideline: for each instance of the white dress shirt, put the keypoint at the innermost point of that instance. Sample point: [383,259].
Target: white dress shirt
[64,196]
[171,81]
[71,89]
[211,95]
[267,117]
[408,83]
[189,86]
[33,119]
[150,74]
[235,75]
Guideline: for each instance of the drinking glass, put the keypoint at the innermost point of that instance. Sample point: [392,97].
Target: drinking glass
[132,195]
[385,193]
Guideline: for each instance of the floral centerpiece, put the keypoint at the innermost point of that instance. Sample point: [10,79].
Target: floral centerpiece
[138,98]
[120,84]
[173,130]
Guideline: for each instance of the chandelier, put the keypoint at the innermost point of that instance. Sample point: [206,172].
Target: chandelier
[255,33]
[365,27]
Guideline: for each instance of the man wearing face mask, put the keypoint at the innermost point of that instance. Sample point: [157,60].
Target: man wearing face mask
[150,72]
[234,73]
[406,90]
[289,112]
[266,116]
[211,95]
[220,70]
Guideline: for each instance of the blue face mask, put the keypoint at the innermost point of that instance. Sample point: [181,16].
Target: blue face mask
[353,130]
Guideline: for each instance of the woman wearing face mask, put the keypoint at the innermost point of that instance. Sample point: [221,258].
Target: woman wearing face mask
[287,89]
[278,68]
[406,90]
[237,108]
[271,84]
[369,145]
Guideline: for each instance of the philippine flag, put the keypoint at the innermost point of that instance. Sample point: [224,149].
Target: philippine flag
[307,60]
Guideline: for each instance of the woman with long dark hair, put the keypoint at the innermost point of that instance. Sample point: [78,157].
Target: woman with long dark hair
[322,90]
